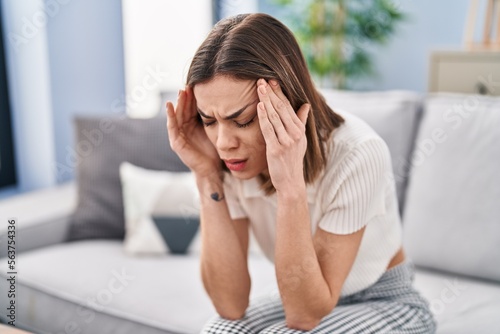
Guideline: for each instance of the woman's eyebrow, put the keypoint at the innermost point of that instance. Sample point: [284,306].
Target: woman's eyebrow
[232,116]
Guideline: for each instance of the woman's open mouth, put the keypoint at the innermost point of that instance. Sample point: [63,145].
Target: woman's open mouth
[235,164]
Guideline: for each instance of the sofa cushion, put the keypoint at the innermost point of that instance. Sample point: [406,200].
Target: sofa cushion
[106,291]
[460,304]
[102,144]
[92,286]
[452,214]
[394,115]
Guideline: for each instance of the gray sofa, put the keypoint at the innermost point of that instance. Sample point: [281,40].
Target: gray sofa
[446,157]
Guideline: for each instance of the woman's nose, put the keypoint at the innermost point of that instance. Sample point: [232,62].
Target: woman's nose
[226,140]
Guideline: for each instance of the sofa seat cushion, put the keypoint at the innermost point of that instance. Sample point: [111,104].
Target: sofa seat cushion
[461,305]
[95,287]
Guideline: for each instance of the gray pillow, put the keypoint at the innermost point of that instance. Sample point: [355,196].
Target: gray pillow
[103,143]
[394,115]
[452,216]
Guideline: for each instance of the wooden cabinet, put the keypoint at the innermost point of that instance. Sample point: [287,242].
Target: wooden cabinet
[473,72]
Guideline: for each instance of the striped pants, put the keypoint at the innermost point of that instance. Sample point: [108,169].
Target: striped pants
[390,305]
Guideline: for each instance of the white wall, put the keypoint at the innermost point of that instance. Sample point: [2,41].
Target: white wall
[85,46]
[25,36]
[403,63]
[432,25]
[160,39]
[234,7]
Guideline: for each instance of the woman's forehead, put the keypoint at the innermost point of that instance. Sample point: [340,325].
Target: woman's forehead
[224,94]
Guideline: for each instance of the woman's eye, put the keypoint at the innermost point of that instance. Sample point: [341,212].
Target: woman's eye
[244,125]
[207,124]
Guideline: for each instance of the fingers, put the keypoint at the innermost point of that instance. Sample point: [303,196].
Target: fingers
[279,93]
[179,109]
[173,129]
[190,103]
[281,96]
[185,107]
[288,125]
[284,110]
[271,114]
[265,126]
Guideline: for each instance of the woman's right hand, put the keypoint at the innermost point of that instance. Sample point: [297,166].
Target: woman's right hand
[188,138]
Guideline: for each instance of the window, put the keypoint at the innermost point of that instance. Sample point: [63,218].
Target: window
[7,164]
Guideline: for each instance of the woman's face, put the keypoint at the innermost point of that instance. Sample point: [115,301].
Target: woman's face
[228,109]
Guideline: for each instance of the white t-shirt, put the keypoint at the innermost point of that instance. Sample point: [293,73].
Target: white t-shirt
[356,189]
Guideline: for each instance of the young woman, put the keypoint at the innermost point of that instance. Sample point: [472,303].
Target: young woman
[315,186]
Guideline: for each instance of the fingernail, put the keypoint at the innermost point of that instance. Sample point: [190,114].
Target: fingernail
[273,82]
[179,94]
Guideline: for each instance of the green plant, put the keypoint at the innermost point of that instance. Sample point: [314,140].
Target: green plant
[335,34]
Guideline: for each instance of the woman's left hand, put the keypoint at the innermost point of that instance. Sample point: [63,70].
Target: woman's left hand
[285,134]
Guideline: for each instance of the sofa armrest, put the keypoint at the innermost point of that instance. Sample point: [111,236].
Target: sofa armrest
[42,217]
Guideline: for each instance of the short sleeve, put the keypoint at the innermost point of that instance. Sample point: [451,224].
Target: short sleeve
[230,185]
[354,192]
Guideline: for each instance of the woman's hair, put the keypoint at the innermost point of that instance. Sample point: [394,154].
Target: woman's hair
[254,46]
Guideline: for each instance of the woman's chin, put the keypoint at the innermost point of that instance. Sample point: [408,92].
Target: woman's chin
[246,172]
[243,175]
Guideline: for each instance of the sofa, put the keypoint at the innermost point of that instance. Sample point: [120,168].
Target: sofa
[73,275]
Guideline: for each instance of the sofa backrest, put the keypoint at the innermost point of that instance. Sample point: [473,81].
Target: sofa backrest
[394,115]
[445,151]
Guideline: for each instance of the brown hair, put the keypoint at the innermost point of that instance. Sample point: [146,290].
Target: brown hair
[254,46]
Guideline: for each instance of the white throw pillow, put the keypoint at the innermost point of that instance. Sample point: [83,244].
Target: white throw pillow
[148,193]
